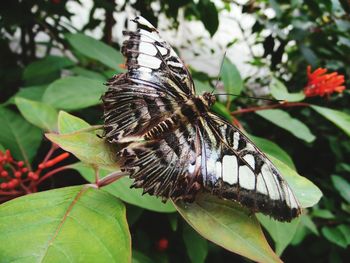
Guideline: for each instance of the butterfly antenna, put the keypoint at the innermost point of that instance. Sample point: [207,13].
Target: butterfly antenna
[250,97]
[221,66]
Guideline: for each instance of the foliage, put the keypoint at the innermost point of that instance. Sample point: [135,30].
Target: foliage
[59,95]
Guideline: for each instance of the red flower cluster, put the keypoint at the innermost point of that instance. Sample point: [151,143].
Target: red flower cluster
[16,179]
[320,83]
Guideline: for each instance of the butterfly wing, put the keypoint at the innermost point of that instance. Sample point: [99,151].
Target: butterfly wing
[155,84]
[234,168]
[168,166]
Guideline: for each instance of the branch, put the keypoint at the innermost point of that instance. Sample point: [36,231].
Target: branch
[274,106]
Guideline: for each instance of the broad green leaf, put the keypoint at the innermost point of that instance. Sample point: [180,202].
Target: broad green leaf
[322,213]
[197,247]
[282,233]
[96,50]
[16,134]
[228,225]
[282,119]
[72,224]
[87,147]
[273,149]
[2,148]
[74,93]
[305,191]
[232,79]
[68,123]
[342,186]
[31,93]
[338,235]
[209,15]
[340,119]
[43,67]
[279,91]
[88,73]
[37,113]
[121,189]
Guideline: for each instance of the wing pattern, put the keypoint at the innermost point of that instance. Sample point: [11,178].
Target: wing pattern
[234,168]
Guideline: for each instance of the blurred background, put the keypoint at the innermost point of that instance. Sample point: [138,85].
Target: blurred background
[45,41]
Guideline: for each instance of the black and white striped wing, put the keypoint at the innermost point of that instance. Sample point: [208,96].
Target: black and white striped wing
[155,84]
[234,168]
[168,166]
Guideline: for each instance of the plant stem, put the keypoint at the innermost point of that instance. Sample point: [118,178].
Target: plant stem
[49,174]
[273,106]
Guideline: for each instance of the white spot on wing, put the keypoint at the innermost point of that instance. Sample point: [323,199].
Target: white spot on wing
[260,185]
[246,178]
[235,140]
[270,182]
[148,61]
[162,50]
[143,21]
[147,48]
[249,158]
[230,169]
[218,169]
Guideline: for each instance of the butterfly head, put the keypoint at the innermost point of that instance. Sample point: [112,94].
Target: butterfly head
[209,98]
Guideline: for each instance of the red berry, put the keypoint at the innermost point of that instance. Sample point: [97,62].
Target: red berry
[162,244]
[30,175]
[15,182]
[41,166]
[20,163]
[18,174]
[24,170]
[3,185]
[4,173]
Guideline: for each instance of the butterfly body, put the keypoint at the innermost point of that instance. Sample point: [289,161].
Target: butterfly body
[174,146]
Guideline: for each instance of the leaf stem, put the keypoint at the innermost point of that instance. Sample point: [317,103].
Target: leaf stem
[273,106]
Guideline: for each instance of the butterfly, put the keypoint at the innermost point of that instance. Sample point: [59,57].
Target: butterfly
[172,145]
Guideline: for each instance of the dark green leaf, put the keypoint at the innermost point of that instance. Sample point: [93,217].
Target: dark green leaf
[282,119]
[37,113]
[220,109]
[88,73]
[228,225]
[73,93]
[232,79]
[340,119]
[202,87]
[273,149]
[16,134]
[122,190]
[65,225]
[279,91]
[31,93]
[41,68]
[282,233]
[197,247]
[96,50]
[323,213]
[209,15]
[337,235]
[138,257]
[342,186]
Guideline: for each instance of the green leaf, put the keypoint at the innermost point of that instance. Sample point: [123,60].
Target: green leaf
[37,113]
[279,91]
[232,79]
[88,73]
[87,147]
[122,190]
[68,123]
[16,134]
[322,213]
[340,119]
[305,191]
[273,149]
[338,235]
[282,119]
[96,50]
[209,15]
[196,246]
[74,93]
[202,87]
[342,186]
[43,67]
[228,225]
[65,225]
[281,233]
[31,93]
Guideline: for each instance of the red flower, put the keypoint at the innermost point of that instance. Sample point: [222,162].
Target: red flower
[320,83]
[162,244]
